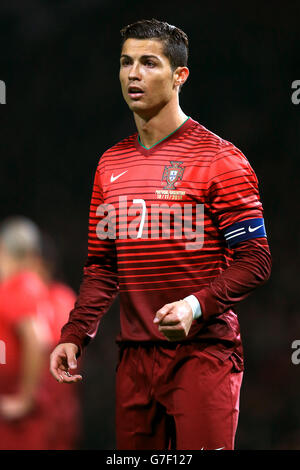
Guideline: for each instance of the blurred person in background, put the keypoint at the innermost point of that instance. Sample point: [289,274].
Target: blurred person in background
[25,332]
[33,307]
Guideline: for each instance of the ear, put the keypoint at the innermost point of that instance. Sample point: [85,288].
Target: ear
[180,76]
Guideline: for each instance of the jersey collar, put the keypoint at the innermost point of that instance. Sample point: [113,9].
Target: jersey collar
[180,130]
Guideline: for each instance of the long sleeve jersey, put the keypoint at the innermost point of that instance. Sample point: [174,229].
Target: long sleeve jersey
[183,217]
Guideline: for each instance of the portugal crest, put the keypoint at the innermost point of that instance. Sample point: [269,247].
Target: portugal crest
[172,174]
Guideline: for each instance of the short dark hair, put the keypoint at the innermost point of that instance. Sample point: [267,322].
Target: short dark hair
[175,41]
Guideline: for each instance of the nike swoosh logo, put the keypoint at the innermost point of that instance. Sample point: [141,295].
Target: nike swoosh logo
[114,178]
[255,228]
[220,448]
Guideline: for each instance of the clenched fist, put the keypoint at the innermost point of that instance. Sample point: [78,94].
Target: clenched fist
[174,320]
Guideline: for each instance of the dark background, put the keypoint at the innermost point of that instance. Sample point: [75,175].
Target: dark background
[59,60]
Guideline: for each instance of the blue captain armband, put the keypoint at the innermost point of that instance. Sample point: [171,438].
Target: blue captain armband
[244,230]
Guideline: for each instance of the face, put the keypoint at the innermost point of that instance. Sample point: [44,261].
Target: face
[147,80]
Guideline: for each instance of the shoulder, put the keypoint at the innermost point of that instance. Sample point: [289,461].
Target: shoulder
[230,158]
[222,157]
[22,295]
[61,291]
[118,150]
[218,146]
[204,143]
[223,150]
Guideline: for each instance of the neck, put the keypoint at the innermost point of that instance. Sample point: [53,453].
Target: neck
[159,126]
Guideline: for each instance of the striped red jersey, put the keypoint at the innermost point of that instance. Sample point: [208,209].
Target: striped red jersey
[156,232]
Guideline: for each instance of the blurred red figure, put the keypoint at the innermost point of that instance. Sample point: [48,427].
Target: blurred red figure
[35,413]
[64,406]
[24,332]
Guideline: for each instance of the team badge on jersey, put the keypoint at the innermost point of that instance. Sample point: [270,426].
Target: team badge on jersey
[172,174]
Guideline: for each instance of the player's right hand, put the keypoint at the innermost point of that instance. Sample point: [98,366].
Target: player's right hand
[62,359]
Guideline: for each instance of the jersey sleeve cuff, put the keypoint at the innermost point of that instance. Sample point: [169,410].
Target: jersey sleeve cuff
[195,306]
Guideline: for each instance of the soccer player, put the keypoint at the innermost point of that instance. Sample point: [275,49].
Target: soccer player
[176,228]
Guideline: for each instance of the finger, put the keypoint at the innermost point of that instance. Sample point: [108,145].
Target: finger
[162,312]
[72,362]
[178,328]
[54,368]
[68,378]
[171,319]
[58,371]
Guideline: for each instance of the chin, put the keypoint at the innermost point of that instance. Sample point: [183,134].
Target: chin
[135,105]
[140,110]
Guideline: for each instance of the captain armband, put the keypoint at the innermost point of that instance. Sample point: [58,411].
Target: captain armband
[244,230]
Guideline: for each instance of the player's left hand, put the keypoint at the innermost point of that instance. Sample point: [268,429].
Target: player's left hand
[14,406]
[174,320]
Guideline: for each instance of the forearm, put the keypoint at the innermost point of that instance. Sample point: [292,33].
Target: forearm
[251,268]
[33,359]
[98,289]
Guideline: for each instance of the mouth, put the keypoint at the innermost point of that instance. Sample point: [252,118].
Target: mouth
[135,92]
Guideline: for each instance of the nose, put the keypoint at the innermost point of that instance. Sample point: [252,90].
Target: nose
[134,72]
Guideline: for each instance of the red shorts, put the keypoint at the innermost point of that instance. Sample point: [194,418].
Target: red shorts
[176,397]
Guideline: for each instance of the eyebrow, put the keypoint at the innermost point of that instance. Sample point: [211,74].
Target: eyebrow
[145,56]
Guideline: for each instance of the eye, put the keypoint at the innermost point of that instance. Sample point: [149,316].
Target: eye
[149,63]
[125,62]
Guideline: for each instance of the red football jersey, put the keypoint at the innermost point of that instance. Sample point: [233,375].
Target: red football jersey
[62,299]
[21,296]
[146,206]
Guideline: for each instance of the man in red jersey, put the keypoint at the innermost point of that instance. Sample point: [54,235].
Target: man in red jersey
[176,228]
[23,330]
